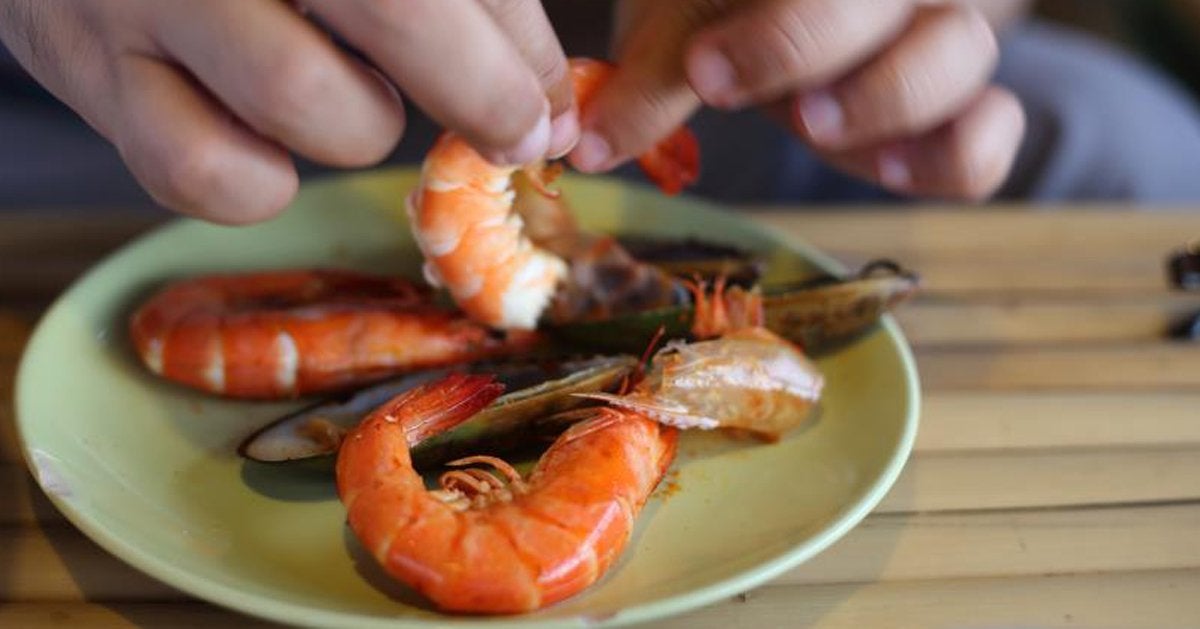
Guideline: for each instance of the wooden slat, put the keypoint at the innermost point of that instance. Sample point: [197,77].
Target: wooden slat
[1136,367]
[41,280]
[1002,480]
[957,320]
[931,482]
[1009,543]
[1169,598]
[988,420]
[1113,234]
[54,234]
[182,615]
[996,251]
[14,332]
[57,563]
[21,500]
[1152,600]
[955,250]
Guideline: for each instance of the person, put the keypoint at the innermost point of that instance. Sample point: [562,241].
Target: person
[212,105]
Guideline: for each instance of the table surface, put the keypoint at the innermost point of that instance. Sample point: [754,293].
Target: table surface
[1055,480]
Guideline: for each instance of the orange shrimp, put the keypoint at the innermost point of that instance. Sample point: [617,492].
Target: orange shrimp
[288,333]
[475,244]
[743,379]
[483,544]
[747,381]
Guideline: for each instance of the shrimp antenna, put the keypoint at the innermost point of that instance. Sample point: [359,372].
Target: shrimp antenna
[639,371]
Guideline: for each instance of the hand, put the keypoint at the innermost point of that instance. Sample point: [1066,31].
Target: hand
[896,92]
[204,100]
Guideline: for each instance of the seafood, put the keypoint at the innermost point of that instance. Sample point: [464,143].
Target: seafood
[535,391]
[820,314]
[484,544]
[746,379]
[288,333]
[487,543]
[466,219]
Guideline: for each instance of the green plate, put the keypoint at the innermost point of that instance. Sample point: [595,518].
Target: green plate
[148,469]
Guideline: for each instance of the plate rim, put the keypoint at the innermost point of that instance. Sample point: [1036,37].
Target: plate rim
[296,614]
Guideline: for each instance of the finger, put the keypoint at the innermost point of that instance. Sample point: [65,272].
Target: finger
[648,97]
[968,158]
[529,29]
[780,46]
[453,61]
[285,78]
[937,66]
[190,154]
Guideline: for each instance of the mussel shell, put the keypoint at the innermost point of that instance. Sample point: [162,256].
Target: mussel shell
[537,389]
[821,313]
[825,314]
[688,258]
[514,419]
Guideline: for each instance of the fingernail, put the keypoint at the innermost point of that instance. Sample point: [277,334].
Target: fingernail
[564,134]
[822,116]
[714,78]
[592,153]
[894,171]
[531,148]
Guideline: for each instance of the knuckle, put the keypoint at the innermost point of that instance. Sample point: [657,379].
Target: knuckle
[653,114]
[294,87]
[550,68]
[899,100]
[786,44]
[497,123]
[387,18]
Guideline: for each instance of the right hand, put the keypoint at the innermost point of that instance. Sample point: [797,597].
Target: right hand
[204,100]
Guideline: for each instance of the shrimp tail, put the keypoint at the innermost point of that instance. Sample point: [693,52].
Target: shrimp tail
[370,451]
[674,163]
[439,406]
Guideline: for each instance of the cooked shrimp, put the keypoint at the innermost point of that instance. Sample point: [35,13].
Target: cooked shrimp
[288,333]
[747,379]
[475,244]
[488,544]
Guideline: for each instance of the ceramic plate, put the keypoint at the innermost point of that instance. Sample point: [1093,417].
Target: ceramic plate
[148,469]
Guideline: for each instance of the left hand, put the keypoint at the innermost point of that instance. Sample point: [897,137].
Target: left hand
[893,91]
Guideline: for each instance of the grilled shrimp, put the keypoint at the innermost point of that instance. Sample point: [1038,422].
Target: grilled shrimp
[476,245]
[743,378]
[504,544]
[287,333]
[488,544]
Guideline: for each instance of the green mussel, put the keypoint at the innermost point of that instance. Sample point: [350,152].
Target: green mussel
[537,391]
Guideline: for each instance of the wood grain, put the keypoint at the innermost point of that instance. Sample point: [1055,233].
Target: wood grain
[931,482]
[1134,367]
[1135,600]
[57,563]
[1150,600]
[934,321]
[1009,420]
[1009,543]
[1045,478]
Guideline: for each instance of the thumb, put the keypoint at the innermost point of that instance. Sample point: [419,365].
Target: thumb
[648,96]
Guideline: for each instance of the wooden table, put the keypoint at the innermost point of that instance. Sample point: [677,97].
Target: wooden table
[1055,482]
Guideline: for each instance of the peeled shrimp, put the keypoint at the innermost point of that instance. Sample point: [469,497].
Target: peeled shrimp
[476,245]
